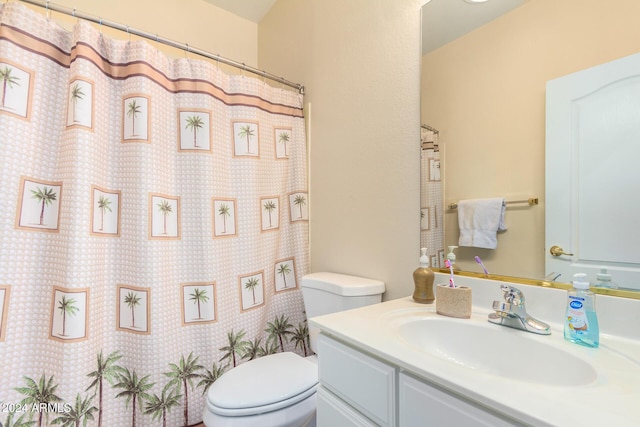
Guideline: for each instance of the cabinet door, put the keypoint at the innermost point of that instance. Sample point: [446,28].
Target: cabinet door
[424,405]
[363,382]
[332,412]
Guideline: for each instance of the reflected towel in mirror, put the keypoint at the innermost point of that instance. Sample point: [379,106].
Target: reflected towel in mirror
[479,221]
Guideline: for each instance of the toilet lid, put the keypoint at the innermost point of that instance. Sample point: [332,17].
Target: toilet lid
[262,385]
[342,284]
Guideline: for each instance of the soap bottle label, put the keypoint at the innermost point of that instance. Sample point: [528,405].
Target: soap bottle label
[576,316]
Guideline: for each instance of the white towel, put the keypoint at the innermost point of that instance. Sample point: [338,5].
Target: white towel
[479,221]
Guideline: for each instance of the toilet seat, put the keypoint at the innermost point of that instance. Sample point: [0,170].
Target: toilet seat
[266,384]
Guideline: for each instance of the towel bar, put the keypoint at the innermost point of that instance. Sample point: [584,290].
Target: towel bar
[531,201]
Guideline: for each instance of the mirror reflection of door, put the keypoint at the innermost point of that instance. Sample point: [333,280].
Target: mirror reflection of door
[592,207]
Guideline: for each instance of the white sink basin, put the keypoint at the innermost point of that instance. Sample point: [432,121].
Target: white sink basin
[495,350]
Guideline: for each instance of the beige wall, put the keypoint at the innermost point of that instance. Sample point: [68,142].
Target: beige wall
[359,61]
[193,22]
[485,92]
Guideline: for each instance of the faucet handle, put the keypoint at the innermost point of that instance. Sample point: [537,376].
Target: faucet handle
[501,306]
[512,295]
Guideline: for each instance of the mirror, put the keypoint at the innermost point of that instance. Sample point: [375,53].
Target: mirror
[485,93]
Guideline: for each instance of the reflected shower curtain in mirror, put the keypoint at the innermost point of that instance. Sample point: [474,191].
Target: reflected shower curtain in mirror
[431,214]
[154,226]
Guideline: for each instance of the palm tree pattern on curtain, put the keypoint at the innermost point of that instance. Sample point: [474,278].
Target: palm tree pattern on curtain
[199,296]
[8,81]
[133,110]
[135,116]
[132,300]
[15,82]
[46,196]
[194,123]
[187,285]
[76,96]
[66,307]
[104,205]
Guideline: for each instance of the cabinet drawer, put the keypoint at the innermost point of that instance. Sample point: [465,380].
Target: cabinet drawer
[360,380]
[332,412]
[422,404]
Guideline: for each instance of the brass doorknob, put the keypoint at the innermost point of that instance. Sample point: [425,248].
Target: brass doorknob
[557,251]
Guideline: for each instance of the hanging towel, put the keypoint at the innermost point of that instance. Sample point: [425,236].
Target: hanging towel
[479,221]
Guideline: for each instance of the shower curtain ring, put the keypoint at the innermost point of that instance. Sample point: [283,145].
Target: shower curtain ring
[186,52]
[48,11]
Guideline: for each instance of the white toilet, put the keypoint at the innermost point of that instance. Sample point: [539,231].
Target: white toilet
[279,390]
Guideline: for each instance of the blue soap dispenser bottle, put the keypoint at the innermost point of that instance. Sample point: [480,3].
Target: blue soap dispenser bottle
[581,322]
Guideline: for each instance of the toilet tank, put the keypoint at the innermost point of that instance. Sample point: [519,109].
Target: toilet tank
[326,293]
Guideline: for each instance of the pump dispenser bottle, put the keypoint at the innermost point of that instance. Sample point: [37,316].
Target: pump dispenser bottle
[423,279]
[581,322]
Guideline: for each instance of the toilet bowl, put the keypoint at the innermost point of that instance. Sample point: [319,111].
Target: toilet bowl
[279,390]
[275,390]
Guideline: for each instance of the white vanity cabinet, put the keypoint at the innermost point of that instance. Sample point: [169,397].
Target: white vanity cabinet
[359,390]
[421,404]
[365,386]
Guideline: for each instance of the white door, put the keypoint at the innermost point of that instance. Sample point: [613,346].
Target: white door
[593,172]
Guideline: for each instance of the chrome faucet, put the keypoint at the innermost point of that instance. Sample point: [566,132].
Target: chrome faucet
[511,313]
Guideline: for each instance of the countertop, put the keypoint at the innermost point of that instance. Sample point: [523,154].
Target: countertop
[611,398]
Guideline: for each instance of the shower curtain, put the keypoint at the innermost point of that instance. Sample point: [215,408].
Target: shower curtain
[154,226]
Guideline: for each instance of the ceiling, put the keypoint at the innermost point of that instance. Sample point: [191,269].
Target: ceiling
[253,10]
[442,20]
[446,20]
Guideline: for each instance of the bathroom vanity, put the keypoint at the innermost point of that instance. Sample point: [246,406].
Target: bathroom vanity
[400,364]
[360,390]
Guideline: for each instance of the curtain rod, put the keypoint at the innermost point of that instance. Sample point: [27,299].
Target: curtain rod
[183,46]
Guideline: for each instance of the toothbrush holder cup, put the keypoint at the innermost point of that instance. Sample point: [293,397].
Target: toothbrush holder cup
[453,302]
